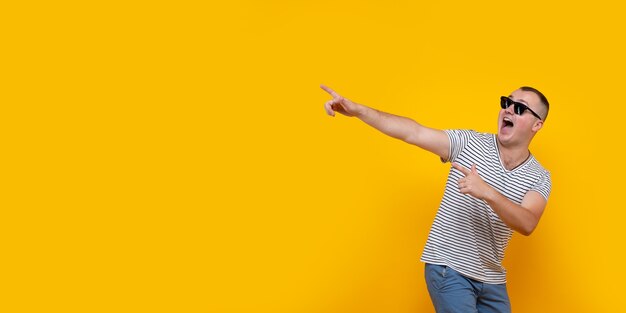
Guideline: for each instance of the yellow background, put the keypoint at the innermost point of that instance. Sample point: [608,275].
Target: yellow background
[175,156]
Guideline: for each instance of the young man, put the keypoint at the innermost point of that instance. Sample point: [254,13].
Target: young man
[495,186]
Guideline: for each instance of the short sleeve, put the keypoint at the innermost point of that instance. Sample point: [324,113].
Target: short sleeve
[543,185]
[458,141]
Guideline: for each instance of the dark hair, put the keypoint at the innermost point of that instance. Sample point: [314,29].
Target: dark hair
[542,98]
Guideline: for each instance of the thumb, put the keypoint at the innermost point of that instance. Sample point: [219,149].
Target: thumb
[474,170]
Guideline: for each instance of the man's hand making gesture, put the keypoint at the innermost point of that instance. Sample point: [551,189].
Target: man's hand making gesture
[472,184]
[339,104]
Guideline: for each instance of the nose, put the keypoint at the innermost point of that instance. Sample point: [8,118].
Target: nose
[510,109]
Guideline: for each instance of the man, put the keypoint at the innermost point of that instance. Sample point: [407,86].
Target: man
[495,186]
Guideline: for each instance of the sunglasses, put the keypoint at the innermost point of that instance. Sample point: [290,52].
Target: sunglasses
[518,108]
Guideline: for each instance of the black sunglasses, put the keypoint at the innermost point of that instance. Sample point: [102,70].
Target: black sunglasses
[518,108]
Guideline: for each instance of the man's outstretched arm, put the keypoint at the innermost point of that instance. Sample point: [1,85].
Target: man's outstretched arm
[399,127]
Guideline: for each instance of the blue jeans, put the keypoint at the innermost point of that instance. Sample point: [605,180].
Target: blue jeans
[452,292]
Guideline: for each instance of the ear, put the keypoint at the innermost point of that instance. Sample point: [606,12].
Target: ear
[537,126]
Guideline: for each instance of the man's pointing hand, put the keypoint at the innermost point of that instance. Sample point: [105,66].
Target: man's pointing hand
[339,104]
[472,184]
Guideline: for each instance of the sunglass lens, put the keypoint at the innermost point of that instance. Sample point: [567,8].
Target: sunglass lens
[519,108]
[504,102]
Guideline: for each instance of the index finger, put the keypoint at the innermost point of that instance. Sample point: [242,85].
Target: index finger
[330,91]
[459,167]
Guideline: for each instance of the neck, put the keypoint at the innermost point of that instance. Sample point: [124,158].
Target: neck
[513,156]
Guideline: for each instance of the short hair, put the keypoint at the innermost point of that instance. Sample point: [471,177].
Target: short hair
[542,98]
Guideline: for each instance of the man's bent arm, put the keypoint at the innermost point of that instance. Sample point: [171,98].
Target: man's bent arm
[523,217]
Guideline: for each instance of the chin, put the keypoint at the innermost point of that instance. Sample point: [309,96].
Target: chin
[505,139]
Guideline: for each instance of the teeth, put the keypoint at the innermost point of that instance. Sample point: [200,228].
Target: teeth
[507,122]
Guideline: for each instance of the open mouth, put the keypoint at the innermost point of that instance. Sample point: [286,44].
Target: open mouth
[506,122]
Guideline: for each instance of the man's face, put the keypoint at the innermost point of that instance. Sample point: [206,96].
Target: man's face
[513,128]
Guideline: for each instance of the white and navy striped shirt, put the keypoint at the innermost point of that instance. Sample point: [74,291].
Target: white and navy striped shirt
[467,235]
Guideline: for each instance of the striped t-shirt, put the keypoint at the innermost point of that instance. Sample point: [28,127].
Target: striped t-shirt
[467,235]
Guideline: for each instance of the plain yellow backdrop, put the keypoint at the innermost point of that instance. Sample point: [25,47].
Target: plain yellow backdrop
[175,156]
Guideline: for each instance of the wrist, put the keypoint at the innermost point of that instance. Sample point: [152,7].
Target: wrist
[490,195]
[360,111]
